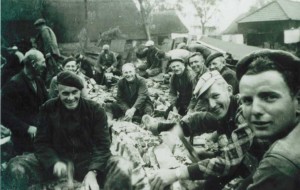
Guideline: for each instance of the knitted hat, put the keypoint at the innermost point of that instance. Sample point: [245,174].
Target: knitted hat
[213,56]
[284,60]
[69,78]
[206,81]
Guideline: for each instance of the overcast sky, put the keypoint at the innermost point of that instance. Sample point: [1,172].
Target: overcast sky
[231,9]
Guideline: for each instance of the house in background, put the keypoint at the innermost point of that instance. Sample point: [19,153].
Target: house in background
[68,17]
[265,27]
[232,34]
[164,24]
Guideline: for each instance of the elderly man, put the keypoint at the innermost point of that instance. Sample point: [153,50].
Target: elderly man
[47,43]
[270,93]
[132,95]
[153,57]
[221,116]
[182,82]
[72,130]
[21,98]
[216,61]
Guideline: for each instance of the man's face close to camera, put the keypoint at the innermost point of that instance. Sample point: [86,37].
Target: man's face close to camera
[268,105]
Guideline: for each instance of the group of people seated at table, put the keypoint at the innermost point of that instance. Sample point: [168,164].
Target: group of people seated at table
[253,113]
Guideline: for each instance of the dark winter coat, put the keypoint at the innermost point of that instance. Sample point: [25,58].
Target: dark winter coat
[20,108]
[86,143]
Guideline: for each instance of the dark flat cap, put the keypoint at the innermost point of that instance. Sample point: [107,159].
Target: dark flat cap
[39,21]
[69,78]
[285,61]
[67,60]
[213,56]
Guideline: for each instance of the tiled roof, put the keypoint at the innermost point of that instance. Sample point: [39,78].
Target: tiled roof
[237,51]
[167,22]
[275,11]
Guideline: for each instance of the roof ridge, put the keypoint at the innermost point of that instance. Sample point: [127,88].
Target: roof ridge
[278,1]
[257,10]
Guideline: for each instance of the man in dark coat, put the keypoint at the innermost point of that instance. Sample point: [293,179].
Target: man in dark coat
[47,43]
[21,98]
[182,82]
[132,96]
[72,130]
[107,60]
[217,62]
[153,57]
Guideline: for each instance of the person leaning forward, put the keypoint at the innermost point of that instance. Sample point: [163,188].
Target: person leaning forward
[233,136]
[72,129]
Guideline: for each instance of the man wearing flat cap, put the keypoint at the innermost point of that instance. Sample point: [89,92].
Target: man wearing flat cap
[72,129]
[216,61]
[153,57]
[270,95]
[233,137]
[47,43]
[182,81]
[21,98]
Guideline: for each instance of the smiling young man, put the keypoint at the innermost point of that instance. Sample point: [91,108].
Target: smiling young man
[234,138]
[72,129]
[196,62]
[270,93]
[132,95]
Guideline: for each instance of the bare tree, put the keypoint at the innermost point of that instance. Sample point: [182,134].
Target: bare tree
[147,7]
[206,9]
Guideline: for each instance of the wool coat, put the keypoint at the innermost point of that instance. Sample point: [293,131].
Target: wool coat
[85,142]
[20,108]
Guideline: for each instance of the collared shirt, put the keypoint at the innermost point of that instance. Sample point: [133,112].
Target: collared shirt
[231,155]
[234,141]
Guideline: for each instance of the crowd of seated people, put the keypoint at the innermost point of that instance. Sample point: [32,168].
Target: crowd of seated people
[252,112]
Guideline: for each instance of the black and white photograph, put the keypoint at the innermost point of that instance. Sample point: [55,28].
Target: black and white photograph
[150,95]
